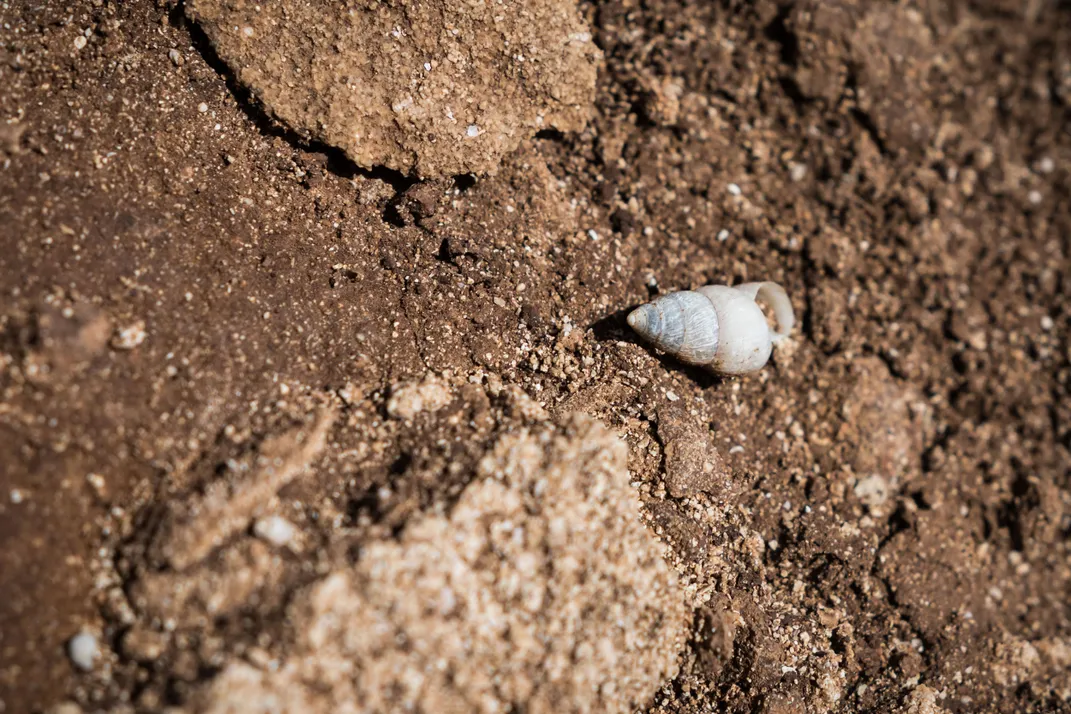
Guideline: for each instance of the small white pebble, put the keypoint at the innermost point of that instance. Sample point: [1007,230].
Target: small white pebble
[247,31]
[734,189]
[473,131]
[1046,323]
[275,530]
[593,234]
[723,235]
[83,651]
[672,396]
[17,496]
[80,42]
[202,107]
[872,490]
[96,481]
[797,172]
[427,66]
[1034,197]
[1046,165]
[176,57]
[736,449]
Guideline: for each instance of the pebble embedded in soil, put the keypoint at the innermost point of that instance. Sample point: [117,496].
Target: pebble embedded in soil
[408,400]
[127,338]
[84,650]
[275,530]
[872,490]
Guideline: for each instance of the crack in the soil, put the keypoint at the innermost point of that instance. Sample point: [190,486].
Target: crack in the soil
[337,162]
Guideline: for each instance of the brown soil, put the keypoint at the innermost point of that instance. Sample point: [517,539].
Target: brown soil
[238,371]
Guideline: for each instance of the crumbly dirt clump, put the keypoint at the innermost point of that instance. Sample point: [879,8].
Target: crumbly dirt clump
[541,590]
[437,87]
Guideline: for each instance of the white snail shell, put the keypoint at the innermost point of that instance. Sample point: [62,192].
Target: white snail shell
[717,326]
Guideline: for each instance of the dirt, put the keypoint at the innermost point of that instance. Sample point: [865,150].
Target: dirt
[239,371]
[451,618]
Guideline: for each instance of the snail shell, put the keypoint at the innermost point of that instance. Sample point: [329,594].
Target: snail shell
[717,326]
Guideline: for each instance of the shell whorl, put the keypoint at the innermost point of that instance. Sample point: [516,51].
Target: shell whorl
[684,324]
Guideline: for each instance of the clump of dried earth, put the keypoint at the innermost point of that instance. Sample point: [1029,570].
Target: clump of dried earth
[540,591]
[250,389]
[439,88]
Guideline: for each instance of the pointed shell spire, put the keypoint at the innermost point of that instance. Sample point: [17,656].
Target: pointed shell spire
[683,324]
